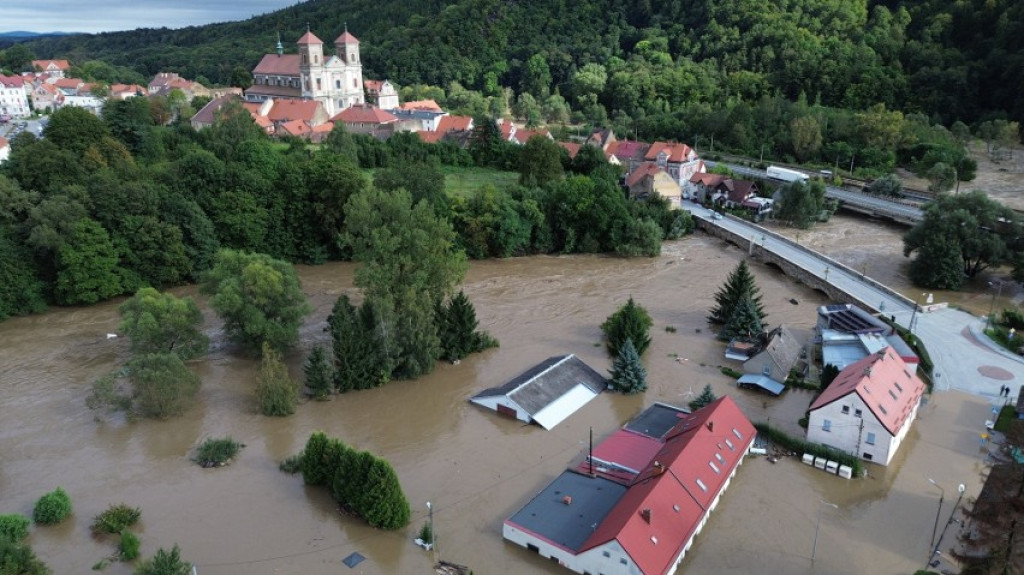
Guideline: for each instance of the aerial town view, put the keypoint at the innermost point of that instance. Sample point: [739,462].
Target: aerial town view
[472,286]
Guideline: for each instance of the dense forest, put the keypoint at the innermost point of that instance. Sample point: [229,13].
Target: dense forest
[948,60]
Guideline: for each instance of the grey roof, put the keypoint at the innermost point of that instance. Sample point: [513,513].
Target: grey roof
[851,319]
[569,524]
[415,114]
[547,381]
[764,382]
[656,420]
[783,348]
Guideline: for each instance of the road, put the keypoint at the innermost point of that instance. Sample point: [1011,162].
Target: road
[964,358]
[869,204]
[34,127]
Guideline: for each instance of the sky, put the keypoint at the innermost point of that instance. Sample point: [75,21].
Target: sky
[112,15]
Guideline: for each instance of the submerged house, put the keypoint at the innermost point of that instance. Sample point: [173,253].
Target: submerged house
[547,393]
[637,504]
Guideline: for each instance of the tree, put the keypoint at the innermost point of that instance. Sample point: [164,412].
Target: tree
[745,321]
[828,374]
[87,265]
[165,563]
[941,178]
[937,264]
[241,78]
[630,322]
[319,374]
[889,185]
[799,203]
[361,356]
[385,504]
[537,77]
[706,397]
[21,290]
[276,392]
[161,323]
[738,285]
[806,134]
[75,129]
[18,57]
[18,558]
[628,373]
[540,161]
[259,298]
[52,508]
[161,384]
[458,323]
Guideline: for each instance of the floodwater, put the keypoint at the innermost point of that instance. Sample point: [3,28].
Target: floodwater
[476,467]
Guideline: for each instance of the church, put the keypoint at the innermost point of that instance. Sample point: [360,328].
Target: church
[335,80]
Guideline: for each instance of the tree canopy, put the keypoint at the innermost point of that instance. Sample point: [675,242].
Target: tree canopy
[631,323]
[738,286]
[162,323]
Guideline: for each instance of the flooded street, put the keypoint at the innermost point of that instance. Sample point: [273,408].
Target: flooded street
[475,467]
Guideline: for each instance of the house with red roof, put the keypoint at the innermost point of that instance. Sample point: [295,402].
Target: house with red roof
[125,91]
[46,97]
[5,150]
[13,97]
[522,136]
[869,408]
[650,178]
[429,105]
[571,147]
[680,160]
[638,502]
[52,67]
[381,93]
[364,119]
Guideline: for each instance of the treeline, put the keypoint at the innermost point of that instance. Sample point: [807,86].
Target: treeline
[950,61]
[102,207]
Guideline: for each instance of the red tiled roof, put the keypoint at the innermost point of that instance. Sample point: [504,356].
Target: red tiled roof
[677,153]
[709,180]
[430,137]
[295,128]
[287,110]
[457,123]
[523,136]
[422,105]
[624,448]
[262,121]
[275,65]
[363,114]
[44,64]
[642,171]
[309,38]
[572,147]
[884,384]
[346,38]
[208,113]
[12,81]
[69,83]
[3,142]
[628,149]
[372,85]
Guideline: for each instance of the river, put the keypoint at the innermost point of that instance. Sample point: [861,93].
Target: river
[474,466]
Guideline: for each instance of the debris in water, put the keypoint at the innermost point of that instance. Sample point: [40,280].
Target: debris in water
[793,301]
[352,560]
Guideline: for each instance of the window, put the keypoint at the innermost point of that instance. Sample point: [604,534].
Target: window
[737,433]
[892,394]
[766,370]
[729,443]
[868,456]
[846,409]
[623,561]
[337,84]
[857,412]
[826,425]
[607,554]
[719,457]
[714,467]
[898,388]
[319,84]
[871,439]
[701,485]
[355,83]
[882,409]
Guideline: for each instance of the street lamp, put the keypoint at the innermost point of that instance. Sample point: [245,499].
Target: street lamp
[917,303]
[433,532]
[991,307]
[826,273]
[961,488]
[937,511]
[817,526]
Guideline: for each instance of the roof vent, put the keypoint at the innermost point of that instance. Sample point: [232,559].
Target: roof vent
[646,514]
[711,426]
[867,370]
[567,499]
[654,540]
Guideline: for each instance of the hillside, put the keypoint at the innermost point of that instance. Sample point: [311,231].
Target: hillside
[951,61]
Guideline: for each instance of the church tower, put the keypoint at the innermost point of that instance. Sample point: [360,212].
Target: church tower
[311,65]
[350,89]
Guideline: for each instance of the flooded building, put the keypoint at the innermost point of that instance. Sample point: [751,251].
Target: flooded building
[637,503]
[869,408]
[546,393]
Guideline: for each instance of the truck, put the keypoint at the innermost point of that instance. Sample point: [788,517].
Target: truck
[786,175]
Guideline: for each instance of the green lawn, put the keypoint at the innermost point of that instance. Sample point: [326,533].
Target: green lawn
[466,181]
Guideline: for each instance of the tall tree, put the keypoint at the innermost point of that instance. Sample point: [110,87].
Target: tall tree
[738,285]
[162,385]
[362,358]
[276,391]
[631,323]
[87,266]
[319,373]
[706,397]
[259,298]
[628,373]
[162,323]
[540,161]
[458,323]
[744,322]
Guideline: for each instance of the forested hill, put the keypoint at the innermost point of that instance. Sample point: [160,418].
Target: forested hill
[951,60]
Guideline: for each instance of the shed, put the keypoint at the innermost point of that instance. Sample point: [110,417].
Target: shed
[547,393]
[781,355]
[768,384]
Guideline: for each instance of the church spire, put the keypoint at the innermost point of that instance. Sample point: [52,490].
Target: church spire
[280,46]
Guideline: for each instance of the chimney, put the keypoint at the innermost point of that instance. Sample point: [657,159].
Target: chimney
[658,468]
[646,514]
[711,426]
[567,499]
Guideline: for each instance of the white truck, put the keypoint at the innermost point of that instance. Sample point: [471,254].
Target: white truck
[786,175]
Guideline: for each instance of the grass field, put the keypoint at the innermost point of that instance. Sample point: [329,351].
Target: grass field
[466,181]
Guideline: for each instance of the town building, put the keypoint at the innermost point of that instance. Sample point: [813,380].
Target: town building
[381,93]
[55,68]
[869,408]
[650,178]
[334,80]
[13,97]
[365,119]
[782,353]
[636,505]
[547,393]
[5,150]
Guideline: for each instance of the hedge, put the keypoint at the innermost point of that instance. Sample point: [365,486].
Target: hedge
[799,445]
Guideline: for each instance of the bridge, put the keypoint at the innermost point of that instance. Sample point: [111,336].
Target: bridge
[902,211]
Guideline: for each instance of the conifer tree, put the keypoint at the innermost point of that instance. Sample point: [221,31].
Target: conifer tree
[457,329]
[314,464]
[744,322]
[360,350]
[384,503]
[628,373]
[276,392]
[630,322]
[740,283]
[319,375]
[706,396]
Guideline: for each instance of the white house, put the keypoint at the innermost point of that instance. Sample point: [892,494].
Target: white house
[5,150]
[869,408]
[547,393]
[13,98]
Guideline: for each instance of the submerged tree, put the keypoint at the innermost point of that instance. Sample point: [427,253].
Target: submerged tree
[276,391]
[319,374]
[628,373]
[361,354]
[457,326]
[738,285]
[161,323]
[161,384]
[706,396]
[630,322]
[744,322]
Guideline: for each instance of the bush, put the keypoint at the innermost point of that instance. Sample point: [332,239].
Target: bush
[779,437]
[165,563]
[163,386]
[14,527]
[18,559]
[426,533]
[116,519]
[128,547]
[731,372]
[276,392]
[292,464]
[52,508]
[216,452]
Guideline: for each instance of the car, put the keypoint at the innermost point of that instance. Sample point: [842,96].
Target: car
[716,215]
[22,124]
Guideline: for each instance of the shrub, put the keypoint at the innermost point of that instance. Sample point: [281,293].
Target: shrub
[14,526]
[128,547]
[52,508]
[631,322]
[165,563]
[276,392]
[292,464]
[731,372]
[116,519]
[216,452]
[799,445]
[163,386]
[426,533]
[18,559]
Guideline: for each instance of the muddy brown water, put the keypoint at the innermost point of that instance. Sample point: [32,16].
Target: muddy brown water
[475,467]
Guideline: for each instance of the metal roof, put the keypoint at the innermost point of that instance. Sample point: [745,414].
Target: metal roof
[764,382]
[656,420]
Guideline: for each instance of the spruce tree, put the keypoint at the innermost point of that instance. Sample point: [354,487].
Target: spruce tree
[706,396]
[319,376]
[740,283]
[457,328]
[360,348]
[744,322]
[384,503]
[314,464]
[628,373]
[630,322]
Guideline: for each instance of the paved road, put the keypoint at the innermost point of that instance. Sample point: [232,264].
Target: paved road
[964,358]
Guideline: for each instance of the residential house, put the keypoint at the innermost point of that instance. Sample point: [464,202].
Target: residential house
[702,186]
[381,93]
[732,193]
[571,147]
[429,105]
[678,159]
[417,120]
[849,318]
[13,98]
[637,505]
[296,128]
[5,149]
[650,178]
[207,115]
[842,349]
[282,111]
[522,136]
[45,97]
[336,81]
[125,91]
[55,68]
[869,408]
[166,82]
[780,355]
[547,393]
[363,119]
[628,153]
[68,86]
[90,103]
